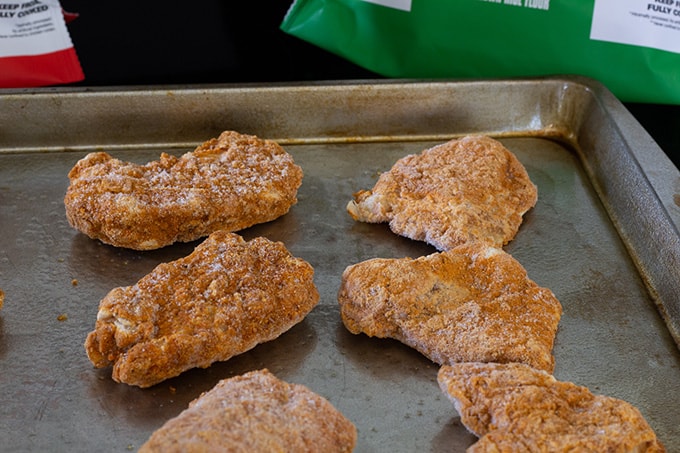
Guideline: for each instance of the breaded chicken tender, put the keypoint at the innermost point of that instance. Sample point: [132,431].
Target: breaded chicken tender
[470,189]
[223,299]
[252,413]
[515,408]
[473,303]
[228,183]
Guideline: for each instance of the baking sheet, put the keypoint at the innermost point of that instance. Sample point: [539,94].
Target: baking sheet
[603,237]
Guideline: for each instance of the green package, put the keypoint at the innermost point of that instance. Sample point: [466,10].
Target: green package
[631,46]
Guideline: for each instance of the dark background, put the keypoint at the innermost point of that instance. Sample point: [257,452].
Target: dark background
[221,41]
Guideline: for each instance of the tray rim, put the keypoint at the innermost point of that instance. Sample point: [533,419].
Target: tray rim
[563,131]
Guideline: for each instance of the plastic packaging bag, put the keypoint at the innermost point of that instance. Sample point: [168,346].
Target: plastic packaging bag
[631,46]
[35,46]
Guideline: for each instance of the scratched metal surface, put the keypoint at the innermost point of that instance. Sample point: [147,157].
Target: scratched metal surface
[584,240]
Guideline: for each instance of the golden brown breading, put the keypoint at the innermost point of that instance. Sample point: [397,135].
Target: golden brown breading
[516,408]
[232,182]
[468,189]
[223,299]
[256,412]
[471,303]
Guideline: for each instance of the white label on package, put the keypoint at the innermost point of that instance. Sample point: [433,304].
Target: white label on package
[404,5]
[32,27]
[645,23]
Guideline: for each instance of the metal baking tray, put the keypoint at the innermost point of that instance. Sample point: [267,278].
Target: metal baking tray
[603,237]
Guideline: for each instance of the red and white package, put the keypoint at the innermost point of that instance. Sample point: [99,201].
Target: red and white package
[35,46]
